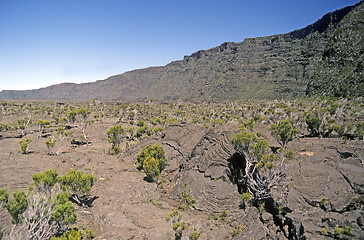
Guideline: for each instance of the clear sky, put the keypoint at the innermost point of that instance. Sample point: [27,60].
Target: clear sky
[46,42]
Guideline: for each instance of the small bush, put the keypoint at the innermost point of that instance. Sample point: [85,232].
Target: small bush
[359,130]
[152,159]
[267,161]
[178,225]
[289,154]
[17,205]
[150,166]
[50,143]
[223,214]
[259,148]
[24,143]
[283,132]
[185,198]
[245,197]
[89,234]
[243,140]
[141,123]
[114,136]
[4,196]
[338,230]
[72,234]
[77,181]
[195,234]
[48,178]
[313,124]
[64,213]
[347,231]
[237,229]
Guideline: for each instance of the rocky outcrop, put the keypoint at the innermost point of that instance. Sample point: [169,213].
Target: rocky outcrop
[322,189]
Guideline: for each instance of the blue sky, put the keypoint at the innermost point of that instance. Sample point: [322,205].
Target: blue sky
[46,42]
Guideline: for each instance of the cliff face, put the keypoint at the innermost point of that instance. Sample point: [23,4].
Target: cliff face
[325,58]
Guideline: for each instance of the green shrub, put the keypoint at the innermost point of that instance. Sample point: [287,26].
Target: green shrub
[17,206]
[77,181]
[341,130]
[246,196]
[283,132]
[243,140]
[64,213]
[4,196]
[289,154]
[141,123]
[89,233]
[259,148]
[338,230]
[156,159]
[24,143]
[151,169]
[347,231]
[141,131]
[71,116]
[178,225]
[72,234]
[48,178]
[195,234]
[223,214]
[313,124]
[267,161]
[359,130]
[50,143]
[44,208]
[248,124]
[185,198]
[324,232]
[62,197]
[4,127]
[156,129]
[114,136]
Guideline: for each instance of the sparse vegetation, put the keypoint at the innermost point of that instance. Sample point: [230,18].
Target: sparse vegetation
[336,119]
[45,211]
[178,225]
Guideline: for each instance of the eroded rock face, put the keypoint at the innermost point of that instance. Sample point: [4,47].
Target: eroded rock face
[206,171]
[323,58]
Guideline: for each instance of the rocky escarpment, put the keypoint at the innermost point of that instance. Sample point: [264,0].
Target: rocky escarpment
[322,188]
[325,58]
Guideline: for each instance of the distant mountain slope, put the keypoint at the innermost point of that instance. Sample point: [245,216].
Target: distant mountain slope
[325,58]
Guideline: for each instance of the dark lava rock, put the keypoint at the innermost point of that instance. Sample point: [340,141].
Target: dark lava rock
[319,190]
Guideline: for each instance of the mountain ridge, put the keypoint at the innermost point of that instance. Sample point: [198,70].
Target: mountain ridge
[302,62]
